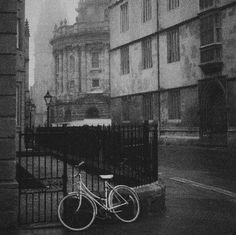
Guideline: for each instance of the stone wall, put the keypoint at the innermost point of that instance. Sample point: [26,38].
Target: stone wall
[138,79]
[8,185]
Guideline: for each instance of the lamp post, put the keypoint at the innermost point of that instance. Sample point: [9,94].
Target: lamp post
[48,100]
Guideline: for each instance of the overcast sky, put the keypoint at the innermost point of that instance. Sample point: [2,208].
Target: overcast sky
[32,14]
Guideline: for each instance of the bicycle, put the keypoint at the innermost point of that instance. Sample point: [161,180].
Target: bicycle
[78,209]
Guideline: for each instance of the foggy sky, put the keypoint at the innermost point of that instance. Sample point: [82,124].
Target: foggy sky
[32,10]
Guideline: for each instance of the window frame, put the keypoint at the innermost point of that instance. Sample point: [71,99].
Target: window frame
[146,10]
[172,4]
[206,4]
[97,80]
[124,60]
[174,105]
[214,20]
[173,45]
[147,61]
[124,17]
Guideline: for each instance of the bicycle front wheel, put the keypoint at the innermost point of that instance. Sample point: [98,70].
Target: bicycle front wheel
[76,212]
[129,208]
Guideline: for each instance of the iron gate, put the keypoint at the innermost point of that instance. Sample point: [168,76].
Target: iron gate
[46,158]
[42,179]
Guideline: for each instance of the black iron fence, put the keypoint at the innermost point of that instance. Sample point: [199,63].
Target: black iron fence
[47,156]
[129,152]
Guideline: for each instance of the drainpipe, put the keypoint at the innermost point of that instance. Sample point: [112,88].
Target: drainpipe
[158,74]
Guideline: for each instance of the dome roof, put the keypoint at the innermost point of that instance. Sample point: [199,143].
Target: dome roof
[91,10]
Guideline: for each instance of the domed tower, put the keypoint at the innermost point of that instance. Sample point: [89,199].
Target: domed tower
[81,58]
[51,12]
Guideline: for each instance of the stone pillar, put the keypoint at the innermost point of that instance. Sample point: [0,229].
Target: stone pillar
[83,58]
[8,184]
[55,73]
[65,71]
[76,75]
[60,76]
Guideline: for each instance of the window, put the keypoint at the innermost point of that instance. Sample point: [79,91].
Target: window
[95,60]
[148,107]
[147,10]
[210,27]
[126,108]
[124,60]
[174,105]
[95,83]
[147,53]
[173,45]
[18,34]
[172,4]
[72,64]
[124,17]
[206,3]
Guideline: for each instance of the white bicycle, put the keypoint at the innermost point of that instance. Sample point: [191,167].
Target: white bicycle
[78,209]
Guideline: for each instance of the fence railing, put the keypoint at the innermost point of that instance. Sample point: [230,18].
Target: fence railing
[129,152]
[46,159]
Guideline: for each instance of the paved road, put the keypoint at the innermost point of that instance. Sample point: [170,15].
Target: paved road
[200,198]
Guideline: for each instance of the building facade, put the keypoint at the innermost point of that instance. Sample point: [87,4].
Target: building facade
[173,62]
[50,13]
[81,71]
[14,91]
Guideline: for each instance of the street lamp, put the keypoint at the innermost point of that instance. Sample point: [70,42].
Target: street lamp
[48,100]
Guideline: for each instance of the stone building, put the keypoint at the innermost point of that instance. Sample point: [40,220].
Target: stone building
[50,13]
[81,55]
[14,42]
[173,62]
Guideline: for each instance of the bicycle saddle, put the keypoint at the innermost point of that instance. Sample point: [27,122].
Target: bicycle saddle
[106,177]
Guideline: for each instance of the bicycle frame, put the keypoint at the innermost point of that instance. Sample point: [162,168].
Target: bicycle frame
[83,189]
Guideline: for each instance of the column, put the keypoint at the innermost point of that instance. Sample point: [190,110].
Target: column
[60,77]
[8,184]
[83,59]
[76,75]
[55,72]
[65,70]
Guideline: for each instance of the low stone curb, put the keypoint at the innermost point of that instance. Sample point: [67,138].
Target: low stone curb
[151,197]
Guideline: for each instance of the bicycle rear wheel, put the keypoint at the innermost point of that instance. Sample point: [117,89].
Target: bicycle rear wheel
[123,194]
[76,212]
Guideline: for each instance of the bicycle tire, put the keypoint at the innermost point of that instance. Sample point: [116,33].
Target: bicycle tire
[127,213]
[74,214]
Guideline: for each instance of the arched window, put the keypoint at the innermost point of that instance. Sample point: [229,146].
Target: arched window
[72,64]
[92,113]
